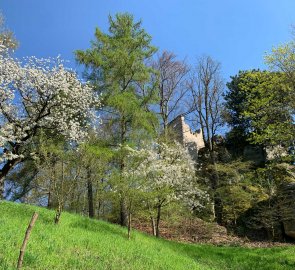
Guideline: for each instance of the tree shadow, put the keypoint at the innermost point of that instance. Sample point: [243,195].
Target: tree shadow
[236,257]
[98,226]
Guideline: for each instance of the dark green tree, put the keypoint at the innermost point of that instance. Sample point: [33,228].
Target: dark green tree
[116,64]
[259,109]
[236,102]
[268,109]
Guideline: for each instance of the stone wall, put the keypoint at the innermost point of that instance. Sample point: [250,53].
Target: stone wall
[184,135]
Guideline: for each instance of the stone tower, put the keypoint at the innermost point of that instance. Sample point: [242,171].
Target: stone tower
[184,135]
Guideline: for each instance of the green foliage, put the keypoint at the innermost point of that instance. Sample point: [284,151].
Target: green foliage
[118,57]
[116,65]
[282,59]
[238,190]
[275,203]
[259,108]
[81,243]
[268,108]
[235,104]
[96,150]
[236,199]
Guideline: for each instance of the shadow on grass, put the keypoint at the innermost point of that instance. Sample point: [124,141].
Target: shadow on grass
[238,258]
[25,212]
[98,226]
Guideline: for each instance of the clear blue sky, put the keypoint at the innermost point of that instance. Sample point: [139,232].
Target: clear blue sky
[235,32]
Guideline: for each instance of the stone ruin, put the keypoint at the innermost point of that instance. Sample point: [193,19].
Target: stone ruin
[193,141]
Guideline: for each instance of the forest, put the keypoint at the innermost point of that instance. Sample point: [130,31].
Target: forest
[103,145]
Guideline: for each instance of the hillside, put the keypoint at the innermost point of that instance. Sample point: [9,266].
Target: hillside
[80,243]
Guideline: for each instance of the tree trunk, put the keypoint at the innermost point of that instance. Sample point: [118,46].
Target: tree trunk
[123,213]
[9,165]
[26,239]
[129,225]
[2,187]
[58,214]
[123,206]
[158,220]
[214,185]
[99,204]
[90,195]
[217,209]
[153,225]
[49,203]
[77,203]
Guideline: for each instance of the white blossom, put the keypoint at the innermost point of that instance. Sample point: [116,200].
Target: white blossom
[41,93]
[168,170]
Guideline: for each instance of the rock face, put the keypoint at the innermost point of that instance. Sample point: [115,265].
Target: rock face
[192,140]
[271,218]
[254,154]
[286,200]
[260,155]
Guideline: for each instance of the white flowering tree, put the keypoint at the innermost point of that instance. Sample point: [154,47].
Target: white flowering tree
[39,94]
[169,175]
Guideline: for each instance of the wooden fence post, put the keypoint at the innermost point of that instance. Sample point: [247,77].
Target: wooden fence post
[26,239]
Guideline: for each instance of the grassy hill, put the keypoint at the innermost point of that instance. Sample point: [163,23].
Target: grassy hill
[80,243]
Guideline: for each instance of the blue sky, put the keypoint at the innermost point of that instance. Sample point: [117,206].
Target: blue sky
[235,32]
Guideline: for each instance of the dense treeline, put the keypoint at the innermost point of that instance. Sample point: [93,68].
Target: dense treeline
[105,148]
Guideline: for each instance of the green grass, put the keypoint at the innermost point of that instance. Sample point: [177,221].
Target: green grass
[80,243]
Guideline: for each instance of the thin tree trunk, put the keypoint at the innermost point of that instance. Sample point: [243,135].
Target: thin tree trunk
[123,206]
[60,194]
[58,214]
[77,203]
[99,204]
[153,223]
[158,220]
[2,187]
[49,200]
[90,195]
[165,124]
[129,225]
[214,185]
[123,213]
[217,207]
[26,239]
[3,172]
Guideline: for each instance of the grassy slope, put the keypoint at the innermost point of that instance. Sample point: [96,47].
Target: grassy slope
[80,243]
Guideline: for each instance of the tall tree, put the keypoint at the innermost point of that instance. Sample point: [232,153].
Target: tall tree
[116,65]
[268,108]
[235,103]
[206,89]
[171,80]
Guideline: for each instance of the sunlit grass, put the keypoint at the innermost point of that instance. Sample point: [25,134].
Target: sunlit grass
[81,243]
